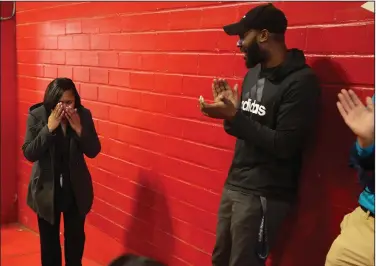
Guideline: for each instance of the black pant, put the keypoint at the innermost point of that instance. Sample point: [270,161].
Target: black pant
[239,220]
[74,238]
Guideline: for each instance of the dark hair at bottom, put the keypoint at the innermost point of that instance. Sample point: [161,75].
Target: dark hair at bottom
[55,91]
[134,260]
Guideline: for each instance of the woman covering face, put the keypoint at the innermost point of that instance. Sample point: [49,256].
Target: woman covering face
[60,131]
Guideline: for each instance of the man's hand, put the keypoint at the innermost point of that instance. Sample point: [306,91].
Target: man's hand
[225,101]
[74,120]
[223,109]
[221,89]
[359,118]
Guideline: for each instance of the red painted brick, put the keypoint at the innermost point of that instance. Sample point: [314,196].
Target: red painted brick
[130,61]
[143,81]
[65,42]
[182,63]
[132,23]
[99,42]
[57,57]
[98,75]
[142,42]
[107,129]
[73,27]
[99,110]
[187,19]
[107,94]
[30,70]
[89,58]
[170,84]
[30,44]
[50,71]
[73,58]
[120,42]
[81,74]
[217,17]
[108,59]
[89,26]
[344,70]
[194,86]
[216,65]
[297,38]
[89,92]
[154,62]
[111,24]
[325,40]
[50,43]
[119,78]
[56,28]
[128,98]
[202,41]
[81,42]
[153,103]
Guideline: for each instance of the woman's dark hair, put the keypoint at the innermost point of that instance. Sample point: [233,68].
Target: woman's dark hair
[55,91]
[134,260]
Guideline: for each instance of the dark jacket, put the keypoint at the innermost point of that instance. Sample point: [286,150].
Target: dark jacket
[277,111]
[365,167]
[39,147]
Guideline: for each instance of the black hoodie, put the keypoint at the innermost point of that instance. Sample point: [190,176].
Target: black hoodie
[277,111]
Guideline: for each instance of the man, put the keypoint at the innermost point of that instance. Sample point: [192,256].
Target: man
[356,244]
[271,121]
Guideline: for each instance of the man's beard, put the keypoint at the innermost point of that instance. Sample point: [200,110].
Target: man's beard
[254,55]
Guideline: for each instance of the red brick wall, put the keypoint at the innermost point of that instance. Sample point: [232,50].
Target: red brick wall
[8,130]
[140,69]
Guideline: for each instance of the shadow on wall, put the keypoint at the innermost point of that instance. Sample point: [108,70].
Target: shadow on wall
[328,187]
[150,231]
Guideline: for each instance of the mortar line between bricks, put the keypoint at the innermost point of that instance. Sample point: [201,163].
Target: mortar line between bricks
[132,181]
[132,13]
[157,192]
[48,7]
[159,73]
[134,109]
[177,52]
[168,157]
[125,229]
[182,9]
[214,124]
[164,155]
[208,29]
[148,206]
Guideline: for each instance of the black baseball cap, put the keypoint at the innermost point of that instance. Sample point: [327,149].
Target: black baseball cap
[261,17]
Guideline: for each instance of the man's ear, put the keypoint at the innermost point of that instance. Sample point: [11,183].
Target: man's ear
[263,36]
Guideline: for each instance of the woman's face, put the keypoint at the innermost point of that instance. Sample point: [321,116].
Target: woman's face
[68,101]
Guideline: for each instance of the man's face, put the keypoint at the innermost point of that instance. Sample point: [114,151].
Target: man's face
[250,46]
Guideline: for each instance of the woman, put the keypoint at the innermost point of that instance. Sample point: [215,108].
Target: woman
[59,132]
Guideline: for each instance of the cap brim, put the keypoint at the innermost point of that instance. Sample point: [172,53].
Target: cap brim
[235,29]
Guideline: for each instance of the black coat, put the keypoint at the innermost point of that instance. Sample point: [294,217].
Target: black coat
[39,147]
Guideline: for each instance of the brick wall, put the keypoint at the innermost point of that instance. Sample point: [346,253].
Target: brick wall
[8,139]
[140,69]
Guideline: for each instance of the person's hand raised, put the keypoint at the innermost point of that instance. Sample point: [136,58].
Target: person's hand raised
[55,117]
[358,117]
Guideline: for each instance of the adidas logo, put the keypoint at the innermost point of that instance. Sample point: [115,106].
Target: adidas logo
[253,107]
